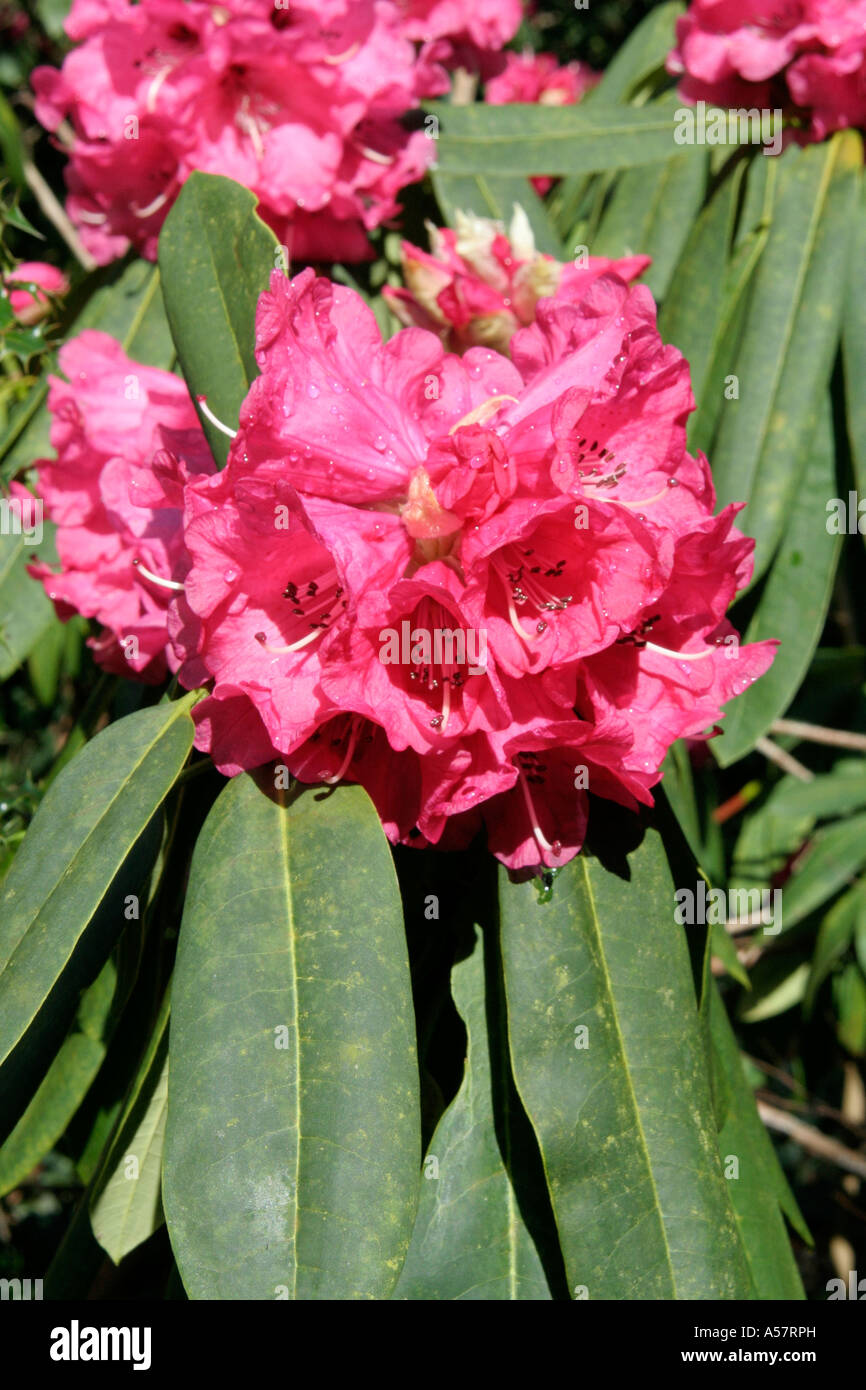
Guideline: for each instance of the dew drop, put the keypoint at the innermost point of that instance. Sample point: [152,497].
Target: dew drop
[312,390]
[380,443]
[230,575]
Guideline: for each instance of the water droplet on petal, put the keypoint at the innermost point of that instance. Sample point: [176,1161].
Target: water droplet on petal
[312,390]
[230,575]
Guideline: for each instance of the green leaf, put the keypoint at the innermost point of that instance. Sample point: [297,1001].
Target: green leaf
[724,948]
[215,258]
[125,1201]
[526,139]
[836,793]
[694,301]
[854,347]
[625,1125]
[835,856]
[838,929]
[778,983]
[91,843]
[26,614]
[470,1240]
[63,1087]
[11,146]
[494,196]
[651,212]
[293,1144]
[849,996]
[793,603]
[770,834]
[790,338]
[757,1188]
[643,52]
[52,14]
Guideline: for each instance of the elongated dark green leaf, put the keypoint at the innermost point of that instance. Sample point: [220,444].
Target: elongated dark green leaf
[790,338]
[125,1200]
[693,304]
[835,793]
[854,347]
[625,1124]
[835,855]
[644,50]
[64,1086]
[524,139]
[91,843]
[837,931]
[26,614]
[651,212]
[793,603]
[293,1148]
[495,196]
[757,1188]
[470,1240]
[215,258]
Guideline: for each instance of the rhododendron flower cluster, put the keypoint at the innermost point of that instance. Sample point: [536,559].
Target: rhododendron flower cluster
[477,285]
[127,438]
[303,103]
[808,58]
[538,77]
[480,586]
[28,305]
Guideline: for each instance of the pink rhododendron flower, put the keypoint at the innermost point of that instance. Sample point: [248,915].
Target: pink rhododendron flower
[303,104]
[808,58]
[538,77]
[478,285]
[127,438]
[26,307]
[463,33]
[480,586]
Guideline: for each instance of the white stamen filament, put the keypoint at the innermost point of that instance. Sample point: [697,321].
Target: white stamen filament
[92,219]
[353,739]
[250,125]
[155,579]
[159,201]
[679,656]
[376,155]
[334,58]
[540,838]
[324,603]
[639,503]
[153,89]
[292,647]
[446,705]
[218,424]
[514,619]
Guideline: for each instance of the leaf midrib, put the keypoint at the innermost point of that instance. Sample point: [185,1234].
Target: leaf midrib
[796,302]
[644,1147]
[285,859]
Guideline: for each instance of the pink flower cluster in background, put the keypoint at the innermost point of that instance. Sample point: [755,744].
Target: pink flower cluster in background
[807,57]
[29,306]
[480,586]
[538,77]
[304,103]
[127,438]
